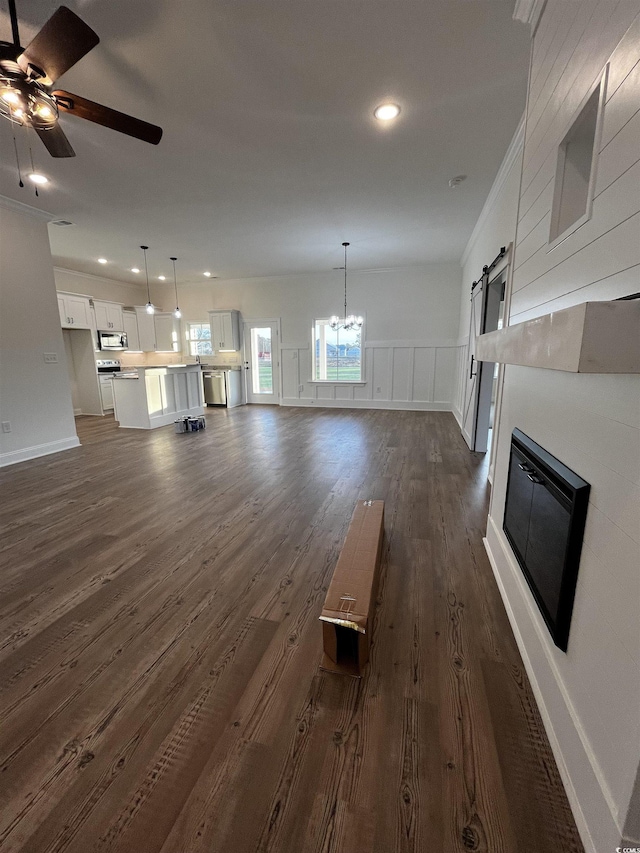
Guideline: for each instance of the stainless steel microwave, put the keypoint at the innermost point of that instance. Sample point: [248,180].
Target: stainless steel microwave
[112,340]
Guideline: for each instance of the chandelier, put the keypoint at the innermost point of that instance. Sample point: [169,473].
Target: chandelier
[350,320]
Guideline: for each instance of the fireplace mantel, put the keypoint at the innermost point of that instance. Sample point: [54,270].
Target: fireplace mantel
[593,337]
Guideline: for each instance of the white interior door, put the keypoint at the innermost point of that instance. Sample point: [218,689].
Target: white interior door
[471,388]
[262,361]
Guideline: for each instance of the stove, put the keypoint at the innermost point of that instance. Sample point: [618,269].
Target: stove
[108,366]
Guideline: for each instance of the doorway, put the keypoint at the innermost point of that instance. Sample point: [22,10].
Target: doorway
[262,361]
[487,314]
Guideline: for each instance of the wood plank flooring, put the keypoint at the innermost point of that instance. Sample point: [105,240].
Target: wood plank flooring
[159,648]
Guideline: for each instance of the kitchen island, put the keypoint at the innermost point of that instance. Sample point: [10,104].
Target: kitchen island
[150,397]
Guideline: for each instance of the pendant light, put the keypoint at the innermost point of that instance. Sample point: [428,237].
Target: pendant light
[149,306]
[350,320]
[177,313]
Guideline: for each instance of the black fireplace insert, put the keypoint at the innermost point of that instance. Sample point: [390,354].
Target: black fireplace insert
[544,518]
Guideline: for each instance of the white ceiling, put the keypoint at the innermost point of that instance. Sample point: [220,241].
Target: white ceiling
[271,156]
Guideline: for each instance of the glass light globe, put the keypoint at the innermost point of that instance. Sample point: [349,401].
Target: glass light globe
[150,308]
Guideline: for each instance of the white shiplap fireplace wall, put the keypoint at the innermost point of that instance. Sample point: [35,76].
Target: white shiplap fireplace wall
[589,697]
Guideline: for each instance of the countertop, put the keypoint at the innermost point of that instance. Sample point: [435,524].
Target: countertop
[221,367]
[159,366]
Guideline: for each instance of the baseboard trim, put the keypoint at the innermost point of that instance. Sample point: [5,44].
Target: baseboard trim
[394,405]
[581,775]
[37,450]
[457,414]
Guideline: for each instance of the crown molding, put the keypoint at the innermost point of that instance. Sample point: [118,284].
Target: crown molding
[100,278]
[26,209]
[513,152]
[529,12]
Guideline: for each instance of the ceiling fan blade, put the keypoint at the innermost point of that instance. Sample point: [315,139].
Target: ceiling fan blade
[63,40]
[121,122]
[55,141]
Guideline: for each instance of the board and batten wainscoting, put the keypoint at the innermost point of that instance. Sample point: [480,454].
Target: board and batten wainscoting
[461,373]
[415,375]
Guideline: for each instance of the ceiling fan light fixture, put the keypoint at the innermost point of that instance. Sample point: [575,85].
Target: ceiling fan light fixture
[10,96]
[26,103]
[207,274]
[27,76]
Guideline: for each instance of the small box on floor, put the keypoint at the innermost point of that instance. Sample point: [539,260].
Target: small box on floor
[190,424]
[347,615]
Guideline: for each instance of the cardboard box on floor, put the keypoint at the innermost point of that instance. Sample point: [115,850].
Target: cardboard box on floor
[347,615]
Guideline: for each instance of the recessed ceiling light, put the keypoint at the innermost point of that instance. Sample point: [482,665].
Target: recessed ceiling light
[135,269]
[385,112]
[37,178]
[207,274]
[161,278]
[102,260]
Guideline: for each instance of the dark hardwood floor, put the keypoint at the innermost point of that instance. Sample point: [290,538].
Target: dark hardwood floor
[159,648]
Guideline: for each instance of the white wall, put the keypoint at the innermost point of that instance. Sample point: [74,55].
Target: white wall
[590,696]
[410,339]
[35,398]
[100,287]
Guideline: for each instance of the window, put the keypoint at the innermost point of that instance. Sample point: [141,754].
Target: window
[199,339]
[337,355]
[575,169]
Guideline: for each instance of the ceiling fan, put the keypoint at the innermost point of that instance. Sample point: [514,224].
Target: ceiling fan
[27,76]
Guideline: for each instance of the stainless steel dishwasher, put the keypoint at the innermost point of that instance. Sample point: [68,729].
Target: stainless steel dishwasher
[215,391]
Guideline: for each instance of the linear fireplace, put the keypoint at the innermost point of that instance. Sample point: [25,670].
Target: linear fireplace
[544,518]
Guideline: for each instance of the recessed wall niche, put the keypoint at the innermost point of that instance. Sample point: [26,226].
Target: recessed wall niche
[576,166]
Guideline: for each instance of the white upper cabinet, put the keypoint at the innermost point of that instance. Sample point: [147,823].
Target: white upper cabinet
[75,312]
[146,330]
[167,333]
[159,332]
[108,316]
[130,326]
[225,330]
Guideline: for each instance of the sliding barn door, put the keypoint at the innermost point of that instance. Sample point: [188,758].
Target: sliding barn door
[472,384]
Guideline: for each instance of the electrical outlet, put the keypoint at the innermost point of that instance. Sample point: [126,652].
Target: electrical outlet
[378,389]
[51,358]
[6,426]
[300,389]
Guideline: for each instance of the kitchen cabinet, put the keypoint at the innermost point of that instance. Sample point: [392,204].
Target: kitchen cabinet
[225,330]
[106,392]
[159,332]
[130,327]
[75,312]
[108,316]
[167,333]
[157,396]
[146,330]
